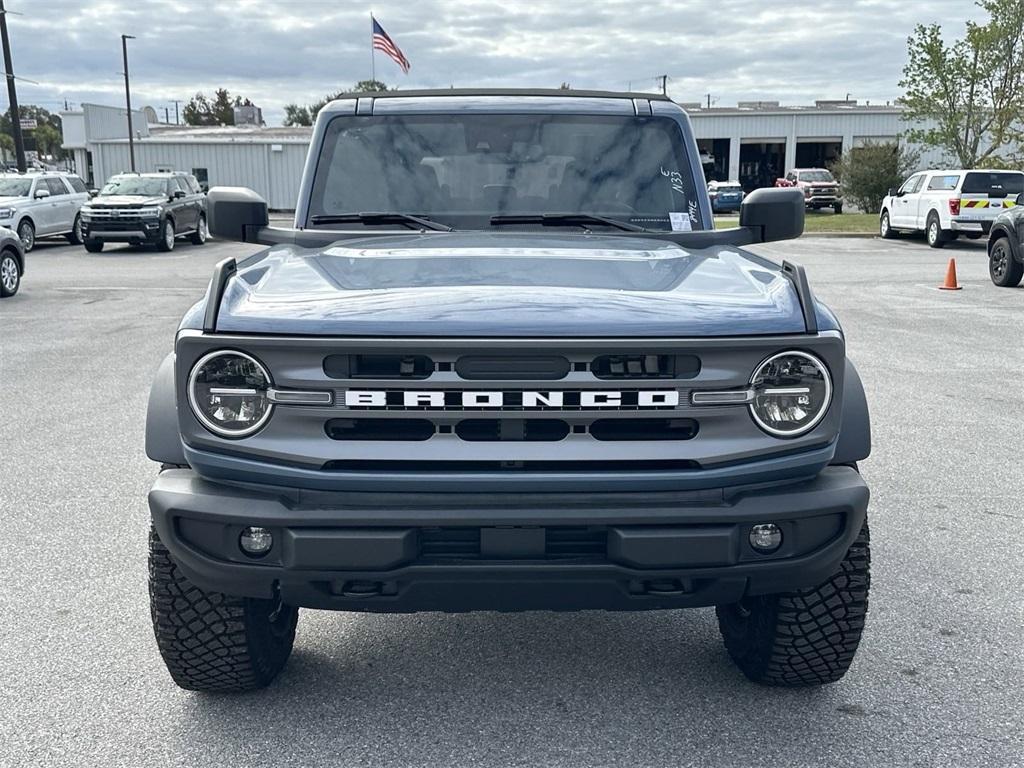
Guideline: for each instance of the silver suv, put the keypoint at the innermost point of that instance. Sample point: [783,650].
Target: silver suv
[42,204]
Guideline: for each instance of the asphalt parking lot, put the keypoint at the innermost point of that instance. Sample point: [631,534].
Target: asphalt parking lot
[937,681]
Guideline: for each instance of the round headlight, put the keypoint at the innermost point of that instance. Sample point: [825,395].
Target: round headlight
[792,392]
[228,393]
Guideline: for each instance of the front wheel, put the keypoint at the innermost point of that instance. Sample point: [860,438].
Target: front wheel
[166,241]
[211,641]
[201,233]
[885,227]
[94,246]
[1005,271]
[10,274]
[838,207]
[27,235]
[805,637]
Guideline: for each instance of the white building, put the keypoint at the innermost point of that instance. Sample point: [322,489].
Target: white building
[754,142]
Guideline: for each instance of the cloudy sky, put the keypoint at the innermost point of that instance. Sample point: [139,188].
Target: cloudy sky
[298,50]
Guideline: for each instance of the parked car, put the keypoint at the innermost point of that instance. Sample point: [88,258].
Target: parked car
[725,196]
[1006,244]
[41,205]
[820,188]
[947,204]
[476,378]
[140,208]
[12,262]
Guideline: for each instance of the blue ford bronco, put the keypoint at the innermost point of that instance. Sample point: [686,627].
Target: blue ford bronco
[503,361]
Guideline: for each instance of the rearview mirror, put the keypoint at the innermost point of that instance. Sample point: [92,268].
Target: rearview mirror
[236,213]
[41,193]
[777,214]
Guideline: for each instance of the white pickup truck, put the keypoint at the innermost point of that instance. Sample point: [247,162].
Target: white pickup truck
[946,204]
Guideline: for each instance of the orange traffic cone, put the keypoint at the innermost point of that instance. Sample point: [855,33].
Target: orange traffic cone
[951,283]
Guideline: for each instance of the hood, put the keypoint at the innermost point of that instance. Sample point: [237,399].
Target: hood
[126,201]
[506,284]
[12,200]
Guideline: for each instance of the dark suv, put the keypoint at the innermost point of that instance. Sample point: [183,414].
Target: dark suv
[139,208]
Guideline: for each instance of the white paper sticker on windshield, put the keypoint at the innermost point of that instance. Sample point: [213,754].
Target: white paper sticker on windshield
[680,221]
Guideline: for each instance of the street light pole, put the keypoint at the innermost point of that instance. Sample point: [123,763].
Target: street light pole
[128,99]
[12,92]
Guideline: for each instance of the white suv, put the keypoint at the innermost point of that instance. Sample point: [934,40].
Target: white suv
[946,204]
[42,204]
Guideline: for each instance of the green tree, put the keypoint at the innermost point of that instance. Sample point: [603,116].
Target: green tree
[868,171]
[294,114]
[45,138]
[969,94]
[220,110]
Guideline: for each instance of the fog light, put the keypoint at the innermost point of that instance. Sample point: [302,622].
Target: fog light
[766,537]
[257,541]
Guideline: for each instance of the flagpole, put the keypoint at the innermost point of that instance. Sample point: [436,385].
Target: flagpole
[373,59]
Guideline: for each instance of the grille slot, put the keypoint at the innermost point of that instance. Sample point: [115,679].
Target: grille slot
[379,429]
[511,430]
[500,368]
[378,366]
[561,543]
[645,366]
[643,429]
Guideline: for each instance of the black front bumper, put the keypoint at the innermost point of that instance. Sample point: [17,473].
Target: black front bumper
[123,231]
[406,552]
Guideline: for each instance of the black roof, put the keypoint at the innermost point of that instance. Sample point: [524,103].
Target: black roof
[506,92]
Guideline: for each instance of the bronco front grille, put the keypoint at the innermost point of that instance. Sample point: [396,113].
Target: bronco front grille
[519,407]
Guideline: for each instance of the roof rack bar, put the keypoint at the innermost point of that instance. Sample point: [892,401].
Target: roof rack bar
[223,272]
[798,275]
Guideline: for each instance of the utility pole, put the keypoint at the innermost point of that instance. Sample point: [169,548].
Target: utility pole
[167,115]
[176,103]
[128,99]
[664,85]
[709,100]
[12,92]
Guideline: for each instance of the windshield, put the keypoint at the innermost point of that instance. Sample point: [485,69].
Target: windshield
[816,176]
[461,170]
[135,185]
[15,187]
[985,183]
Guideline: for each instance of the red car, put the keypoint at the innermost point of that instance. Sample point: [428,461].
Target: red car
[820,188]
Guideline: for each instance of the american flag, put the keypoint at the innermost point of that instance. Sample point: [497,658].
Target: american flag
[382,42]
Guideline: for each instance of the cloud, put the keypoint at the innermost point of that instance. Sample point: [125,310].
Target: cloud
[297,50]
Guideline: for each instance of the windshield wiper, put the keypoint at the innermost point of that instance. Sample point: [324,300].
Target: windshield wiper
[380,217]
[556,219]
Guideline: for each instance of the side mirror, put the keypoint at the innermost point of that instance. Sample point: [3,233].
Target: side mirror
[177,194]
[1020,199]
[93,192]
[774,214]
[236,213]
[893,192]
[41,193]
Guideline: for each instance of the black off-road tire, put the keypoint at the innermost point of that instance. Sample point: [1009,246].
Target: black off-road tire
[1005,271]
[806,637]
[838,208]
[94,246]
[214,642]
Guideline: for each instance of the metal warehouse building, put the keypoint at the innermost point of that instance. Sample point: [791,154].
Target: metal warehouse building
[753,142]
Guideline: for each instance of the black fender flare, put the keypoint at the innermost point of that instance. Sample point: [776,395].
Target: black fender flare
[163,437]
[854,442]
[1004,231]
